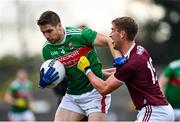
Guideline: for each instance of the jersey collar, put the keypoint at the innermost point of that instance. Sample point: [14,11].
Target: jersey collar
[63,41]
[128,52]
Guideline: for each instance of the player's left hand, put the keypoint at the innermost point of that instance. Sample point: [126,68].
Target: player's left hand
[48,77]
[83,64]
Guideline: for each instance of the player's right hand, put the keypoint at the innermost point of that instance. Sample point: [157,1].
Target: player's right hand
[48,77]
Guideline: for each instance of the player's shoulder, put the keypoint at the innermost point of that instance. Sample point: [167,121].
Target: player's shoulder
[46,44]
[15,84]
[175,64]
[138,52]
[138,55]
[72,31]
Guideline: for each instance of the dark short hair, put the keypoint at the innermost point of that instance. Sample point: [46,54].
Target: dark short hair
[128,25]
[49,17]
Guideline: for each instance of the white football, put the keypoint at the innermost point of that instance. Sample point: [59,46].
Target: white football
[59,67]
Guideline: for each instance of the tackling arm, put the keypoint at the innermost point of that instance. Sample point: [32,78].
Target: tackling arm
[163,80]
[102,40]
[104,87]
[108,72]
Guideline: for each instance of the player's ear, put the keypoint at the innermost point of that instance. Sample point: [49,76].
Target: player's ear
[122,34]
[59,25]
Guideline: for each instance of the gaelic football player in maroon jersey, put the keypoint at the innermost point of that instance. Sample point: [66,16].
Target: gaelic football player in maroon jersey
[134,68]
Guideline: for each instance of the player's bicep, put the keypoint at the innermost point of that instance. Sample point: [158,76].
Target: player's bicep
[126,71]
[88,36]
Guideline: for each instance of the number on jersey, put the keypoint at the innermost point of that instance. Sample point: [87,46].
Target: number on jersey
[152,69]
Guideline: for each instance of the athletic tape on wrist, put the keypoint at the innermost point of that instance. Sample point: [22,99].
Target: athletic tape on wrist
[87,71]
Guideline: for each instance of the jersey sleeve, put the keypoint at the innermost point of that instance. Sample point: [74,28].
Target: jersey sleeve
[167,72]
[88,35]
[124,72]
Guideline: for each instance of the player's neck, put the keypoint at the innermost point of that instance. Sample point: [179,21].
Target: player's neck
[61,38]
[126,46]
[62,35]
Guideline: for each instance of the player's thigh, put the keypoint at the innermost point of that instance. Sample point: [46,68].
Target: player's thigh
[14,116]
[97,116]
[156,113]
[67,115]
[93,102]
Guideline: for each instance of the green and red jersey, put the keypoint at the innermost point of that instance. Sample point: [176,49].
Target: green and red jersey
[23,90]
[172,89]
[75,44]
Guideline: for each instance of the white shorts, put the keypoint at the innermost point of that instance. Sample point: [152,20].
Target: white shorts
[86,103]
[23,116]
[161,113]
[177,114]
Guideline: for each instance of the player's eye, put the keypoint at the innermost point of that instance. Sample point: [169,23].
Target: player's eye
[49,31]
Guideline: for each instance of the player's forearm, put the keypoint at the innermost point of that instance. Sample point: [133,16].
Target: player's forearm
[115,53]
[8,98]
[109,70]
[97,83]
[162,82]
[102,40]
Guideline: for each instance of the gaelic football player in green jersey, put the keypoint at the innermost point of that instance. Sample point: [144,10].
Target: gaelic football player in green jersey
[68,44]
[170,85]
[19,95]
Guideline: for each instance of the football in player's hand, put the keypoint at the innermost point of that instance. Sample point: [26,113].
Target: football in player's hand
[59,67]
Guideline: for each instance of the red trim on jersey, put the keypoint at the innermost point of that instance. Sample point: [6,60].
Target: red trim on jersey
[175,81]
[72,58]
[147,114]
[103,104]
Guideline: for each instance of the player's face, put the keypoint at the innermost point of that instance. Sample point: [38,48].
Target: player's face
[21,75]
[115,37]
[52,33]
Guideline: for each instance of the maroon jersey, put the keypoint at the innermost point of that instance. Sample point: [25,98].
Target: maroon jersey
[140,78]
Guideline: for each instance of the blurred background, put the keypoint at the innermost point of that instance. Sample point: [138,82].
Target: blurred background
[21,42]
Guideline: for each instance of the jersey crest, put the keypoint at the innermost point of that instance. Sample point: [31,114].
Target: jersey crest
[71,46]
[140,50]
